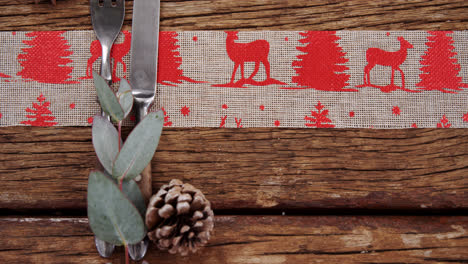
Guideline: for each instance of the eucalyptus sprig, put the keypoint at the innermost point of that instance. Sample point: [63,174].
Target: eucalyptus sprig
[115,203]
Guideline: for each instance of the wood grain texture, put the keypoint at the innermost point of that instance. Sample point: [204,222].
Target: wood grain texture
[254,168]
[258,239]
[252,15]
[47,168]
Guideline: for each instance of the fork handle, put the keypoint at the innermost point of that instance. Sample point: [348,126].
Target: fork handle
[106,72]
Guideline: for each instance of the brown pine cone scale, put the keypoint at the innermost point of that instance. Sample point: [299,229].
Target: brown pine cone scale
[179,218]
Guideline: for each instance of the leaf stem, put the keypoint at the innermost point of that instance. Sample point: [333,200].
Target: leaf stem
[126,254]
[120,147]
[120,134]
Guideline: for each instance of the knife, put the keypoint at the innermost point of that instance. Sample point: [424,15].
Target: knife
[144,65]
[143,80]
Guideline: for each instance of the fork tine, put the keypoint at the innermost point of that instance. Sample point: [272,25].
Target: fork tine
[107,3]
[94,3]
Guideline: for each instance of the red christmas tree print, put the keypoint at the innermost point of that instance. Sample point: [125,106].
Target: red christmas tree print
[41,114]
[166,118]
[170,61]
[238,122]
[223,121]
[441,68]
[393,59]
[46,59]
[444,123]
[322,66]
[319,118]
[119,50]
[256,51]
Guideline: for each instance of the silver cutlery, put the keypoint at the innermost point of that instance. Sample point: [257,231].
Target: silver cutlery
[143,79]
[107,18]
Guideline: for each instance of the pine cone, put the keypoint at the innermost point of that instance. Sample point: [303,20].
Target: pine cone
[179,218]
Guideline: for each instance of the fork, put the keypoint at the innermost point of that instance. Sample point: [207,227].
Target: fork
[107,18]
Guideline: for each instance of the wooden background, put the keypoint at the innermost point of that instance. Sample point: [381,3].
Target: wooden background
[280,195]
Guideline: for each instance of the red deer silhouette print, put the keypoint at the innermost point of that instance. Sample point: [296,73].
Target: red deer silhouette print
[119,50]
[256,51]
[394,59]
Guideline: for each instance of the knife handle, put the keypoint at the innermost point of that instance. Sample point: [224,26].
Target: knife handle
[145,183]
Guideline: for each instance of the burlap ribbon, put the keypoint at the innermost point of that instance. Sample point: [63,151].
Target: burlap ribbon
[377,79]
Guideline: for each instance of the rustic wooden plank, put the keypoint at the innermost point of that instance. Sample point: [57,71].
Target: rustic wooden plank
[258,239]
[252,15]
[254,168]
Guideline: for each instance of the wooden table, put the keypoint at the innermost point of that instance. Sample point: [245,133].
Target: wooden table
[280,195]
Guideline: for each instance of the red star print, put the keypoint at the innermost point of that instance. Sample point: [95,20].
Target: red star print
[185,110]
[396,110]
[0,115]
[414,125]
[225,106]
[72,106]
[286,39]
[262,107]
[277,123]
[351,114]
[388,33]
[195,38]
[166,118]
[465,117]
[90,120]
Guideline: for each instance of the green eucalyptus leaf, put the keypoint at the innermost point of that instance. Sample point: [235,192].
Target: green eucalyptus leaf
[125,97]
[105,141]
[112,217]
[139,147]
[107,98]
[133,193]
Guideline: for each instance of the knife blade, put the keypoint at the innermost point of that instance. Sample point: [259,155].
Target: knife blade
[144,65]
[143,79]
